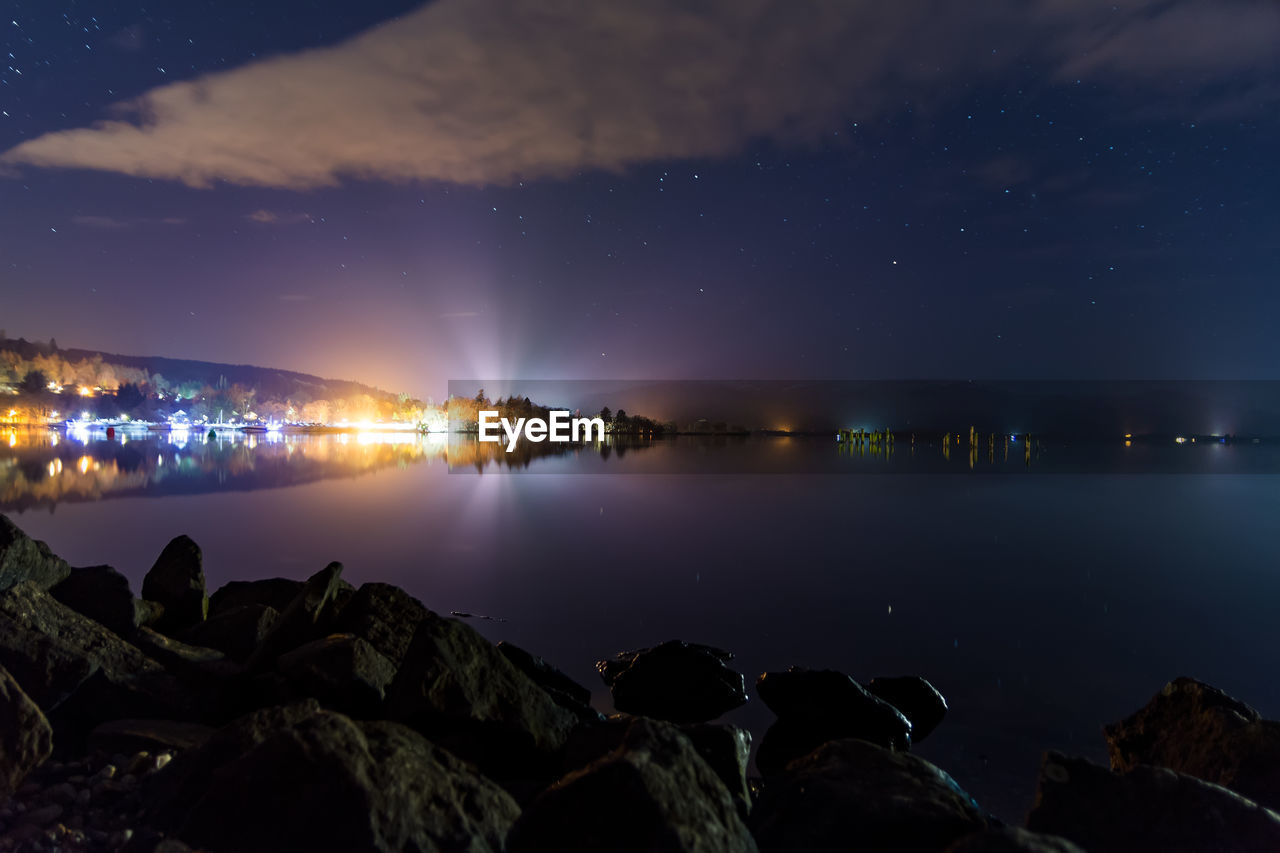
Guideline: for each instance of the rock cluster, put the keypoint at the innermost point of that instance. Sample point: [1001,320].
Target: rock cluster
[281,714]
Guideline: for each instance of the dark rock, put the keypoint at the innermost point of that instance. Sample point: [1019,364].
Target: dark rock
[1010,839]
[25,559]
[102,594]
[1147,808]
[177,582]
[385,616]
[851,794]
[342,671]
[724,748]
[146,612]
[127,737]
[677,681]
[917,699]
[463,694]
[566,692]
[26,738]
[816,706]
[1196,729]
[77,671]
[654,792]
[276,593]
[302,620]
[301,778]
[235,631]
[182,658]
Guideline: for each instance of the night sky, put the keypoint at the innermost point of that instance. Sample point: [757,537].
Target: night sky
[403,194]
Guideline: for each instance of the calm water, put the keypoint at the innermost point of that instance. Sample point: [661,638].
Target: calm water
[1042,603]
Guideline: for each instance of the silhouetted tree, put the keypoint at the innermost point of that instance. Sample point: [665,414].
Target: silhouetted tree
[34,382]
[129,397]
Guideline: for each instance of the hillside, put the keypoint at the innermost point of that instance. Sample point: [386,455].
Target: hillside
[42,379]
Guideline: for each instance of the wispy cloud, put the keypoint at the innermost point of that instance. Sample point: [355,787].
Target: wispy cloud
[271,217]
[486,91]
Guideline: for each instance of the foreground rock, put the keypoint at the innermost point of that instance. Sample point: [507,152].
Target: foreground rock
[25,559]
[456,688]
[1196,729]
[562,689]
[301,621]
[817,706]
[343,671]
[1147,808]
[654,792]
[25,736]
[725,748]
[236,632]
[917,699]
[176,581]
[854,795]
[301,777]
[385,616]
[276,593]
[78,671]
[677,681]
[102,594]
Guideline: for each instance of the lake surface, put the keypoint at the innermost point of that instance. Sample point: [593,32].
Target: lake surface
[1042,603]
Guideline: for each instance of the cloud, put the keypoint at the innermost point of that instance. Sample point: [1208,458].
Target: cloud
[490,92]
[271,217]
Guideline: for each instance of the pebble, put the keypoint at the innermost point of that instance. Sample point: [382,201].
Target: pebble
[77,806]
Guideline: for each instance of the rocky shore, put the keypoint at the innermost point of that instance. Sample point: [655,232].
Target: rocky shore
[282,715]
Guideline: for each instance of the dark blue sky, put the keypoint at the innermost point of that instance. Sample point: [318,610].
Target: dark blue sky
[1053,189]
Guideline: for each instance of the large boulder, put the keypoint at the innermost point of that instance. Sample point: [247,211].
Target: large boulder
[177,582]
[300,778]
[854,795]
[236,631]
[77,671]
[455,687]
[677,681]
[1147,808]
[304,618]
[26,738]
[917,699]
[276,593]
[566,692]
[383,615]
[342,671]
[25,559]
[1196,729]
[102,594]
[817,706]
[725,748]
[654,792]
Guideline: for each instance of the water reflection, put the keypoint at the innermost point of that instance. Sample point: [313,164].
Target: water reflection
[44,467]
